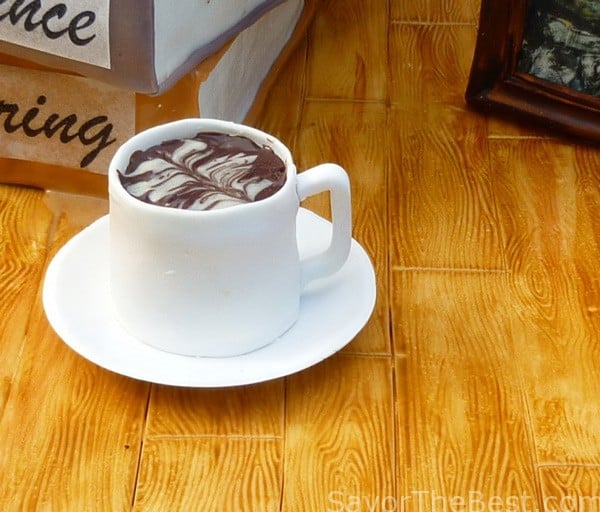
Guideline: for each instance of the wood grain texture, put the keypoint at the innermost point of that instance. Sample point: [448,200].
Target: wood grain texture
[442,205]
[347,56]
[462,420]
[573,488]
[339,434]
[245,411]
[477,376]
[429,64]
[211,475]
[363,128]
[75,211]
[73,431]
[435,11]
[550,217]
[24,228]
[499,128]
[282,110]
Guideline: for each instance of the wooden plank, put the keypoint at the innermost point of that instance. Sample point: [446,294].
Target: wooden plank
[281,66]
[282,110]
[210,474]
[572,488]
[548,196]
[429,64]
[339,434]
[245,411]
[74,429]
[500,128]
[435,11]
[347,52]
[75,210]
[24,228]
[462,428]
[354,135]
[442,204]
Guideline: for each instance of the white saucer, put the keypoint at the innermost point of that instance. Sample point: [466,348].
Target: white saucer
[332,312]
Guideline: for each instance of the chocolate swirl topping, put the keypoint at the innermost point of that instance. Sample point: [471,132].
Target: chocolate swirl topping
[208,171]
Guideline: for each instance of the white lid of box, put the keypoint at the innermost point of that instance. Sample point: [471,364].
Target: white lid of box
[142,45]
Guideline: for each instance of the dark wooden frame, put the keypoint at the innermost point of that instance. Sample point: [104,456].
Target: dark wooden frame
[496,87]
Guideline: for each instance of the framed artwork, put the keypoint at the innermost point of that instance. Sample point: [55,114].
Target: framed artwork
[539,61]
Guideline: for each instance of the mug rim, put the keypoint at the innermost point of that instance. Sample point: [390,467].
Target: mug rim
[188,128]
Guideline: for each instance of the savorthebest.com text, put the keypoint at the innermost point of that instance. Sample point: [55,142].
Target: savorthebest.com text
[473,501]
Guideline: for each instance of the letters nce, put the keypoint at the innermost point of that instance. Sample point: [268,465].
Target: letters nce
[48,20]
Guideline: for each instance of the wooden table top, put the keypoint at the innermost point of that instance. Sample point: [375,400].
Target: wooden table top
[473,386]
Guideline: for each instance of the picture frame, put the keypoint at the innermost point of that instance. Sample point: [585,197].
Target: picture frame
[526,68]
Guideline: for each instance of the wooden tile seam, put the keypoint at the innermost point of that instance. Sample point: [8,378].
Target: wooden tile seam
[138,467]
[396,427]
[454,270]
[433,23]
[494,137]
[198,437]
[325,99]
[547,465]
[366,355]
[283,444]
[529,425]
[528,414]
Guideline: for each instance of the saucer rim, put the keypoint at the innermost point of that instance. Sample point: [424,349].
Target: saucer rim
[52,297]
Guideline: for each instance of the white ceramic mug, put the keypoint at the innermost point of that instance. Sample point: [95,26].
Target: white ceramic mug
[219,282]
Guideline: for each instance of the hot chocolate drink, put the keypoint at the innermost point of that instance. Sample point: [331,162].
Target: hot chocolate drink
[208,171]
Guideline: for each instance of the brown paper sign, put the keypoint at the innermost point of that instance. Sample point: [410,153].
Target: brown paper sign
[75,29]
[61,119]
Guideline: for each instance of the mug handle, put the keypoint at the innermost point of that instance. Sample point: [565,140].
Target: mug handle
[332,178]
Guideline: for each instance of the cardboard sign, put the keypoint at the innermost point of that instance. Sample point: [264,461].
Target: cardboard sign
[74,29]
[61,119]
